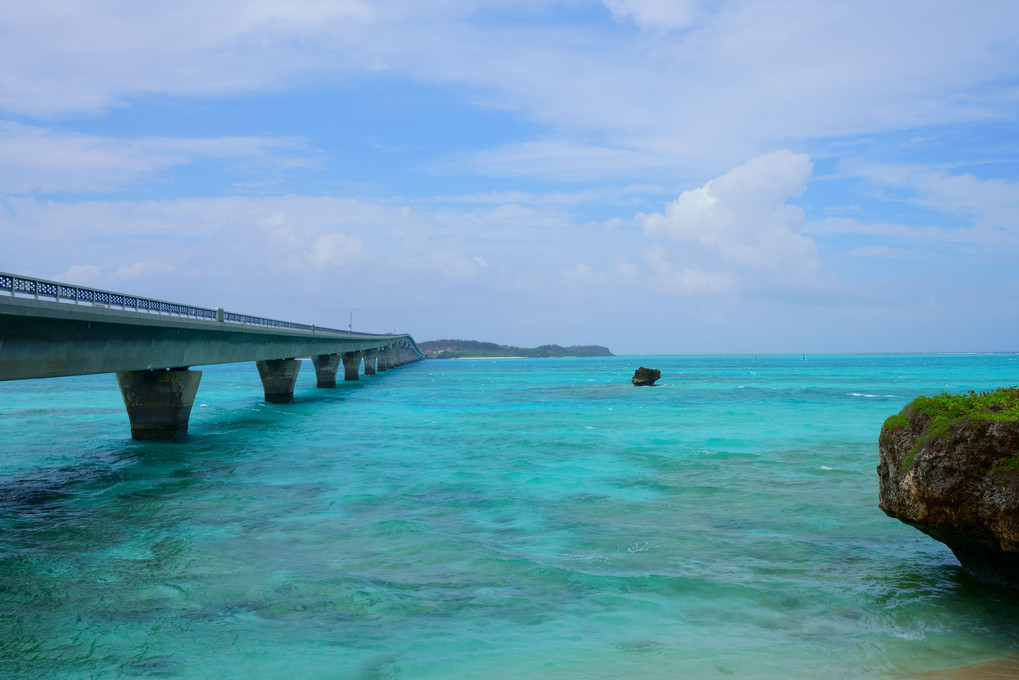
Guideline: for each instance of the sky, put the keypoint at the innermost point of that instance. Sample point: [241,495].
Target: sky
[655,176]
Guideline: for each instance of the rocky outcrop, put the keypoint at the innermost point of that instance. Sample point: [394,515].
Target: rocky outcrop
[645,376]
[949,466]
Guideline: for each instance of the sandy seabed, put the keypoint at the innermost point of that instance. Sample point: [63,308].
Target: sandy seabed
[1004,668]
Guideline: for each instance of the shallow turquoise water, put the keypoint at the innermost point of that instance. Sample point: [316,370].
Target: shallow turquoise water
[486,518]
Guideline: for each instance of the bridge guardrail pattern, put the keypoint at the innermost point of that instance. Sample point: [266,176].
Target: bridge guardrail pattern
[15,285]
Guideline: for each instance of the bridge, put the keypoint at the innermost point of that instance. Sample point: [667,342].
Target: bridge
[50,329]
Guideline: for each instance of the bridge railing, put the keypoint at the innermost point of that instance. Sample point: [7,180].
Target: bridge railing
[24,286]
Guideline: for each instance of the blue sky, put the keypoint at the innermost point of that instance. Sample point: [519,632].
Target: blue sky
[654,176]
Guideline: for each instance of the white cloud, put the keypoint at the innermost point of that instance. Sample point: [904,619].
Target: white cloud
[956,213]
[36,159]
[883,252]
[917,234]
[736,80]
[744,78]
[556,159]
[453,267]
[626,270]
[689,279]
[739,229]
[580,272]
[602,195]
[335,249]
[57,56]
[524,275]
[579,99]
[654,14]
[147,267]
[247,246]
[992,203]
[80,274]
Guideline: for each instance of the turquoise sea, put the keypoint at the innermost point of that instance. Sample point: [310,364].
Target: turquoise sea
[487,519]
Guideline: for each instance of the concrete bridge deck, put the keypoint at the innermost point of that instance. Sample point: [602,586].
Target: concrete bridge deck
[151,344]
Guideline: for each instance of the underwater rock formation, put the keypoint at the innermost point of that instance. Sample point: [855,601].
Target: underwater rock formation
[949,466]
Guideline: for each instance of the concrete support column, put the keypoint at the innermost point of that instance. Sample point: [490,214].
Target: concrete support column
[351,365]
[383,359]
[370,358]
[159,402]
[398,356]
[278,379]
[325,369]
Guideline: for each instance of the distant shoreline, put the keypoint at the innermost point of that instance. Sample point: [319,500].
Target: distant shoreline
[473,349]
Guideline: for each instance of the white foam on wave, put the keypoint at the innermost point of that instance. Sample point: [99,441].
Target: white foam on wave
[825,467]
[873,396]
[585,557]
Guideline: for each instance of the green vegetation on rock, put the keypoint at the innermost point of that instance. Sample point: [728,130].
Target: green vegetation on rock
[465,349]
[893,423]
[945,413]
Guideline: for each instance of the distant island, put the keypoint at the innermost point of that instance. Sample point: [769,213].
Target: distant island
[466,349]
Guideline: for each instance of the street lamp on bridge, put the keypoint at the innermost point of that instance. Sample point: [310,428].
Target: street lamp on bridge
[350,325]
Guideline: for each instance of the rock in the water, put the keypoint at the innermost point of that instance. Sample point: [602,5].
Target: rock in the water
[949,466]
[645,376]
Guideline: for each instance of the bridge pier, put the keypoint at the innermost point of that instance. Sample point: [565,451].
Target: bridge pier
[383,359]
[351,365]
[370,358]
[159,402]
[278,379]
[326,366]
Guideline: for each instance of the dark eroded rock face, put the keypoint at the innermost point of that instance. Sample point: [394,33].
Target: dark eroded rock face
[953,478]
[645,376]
